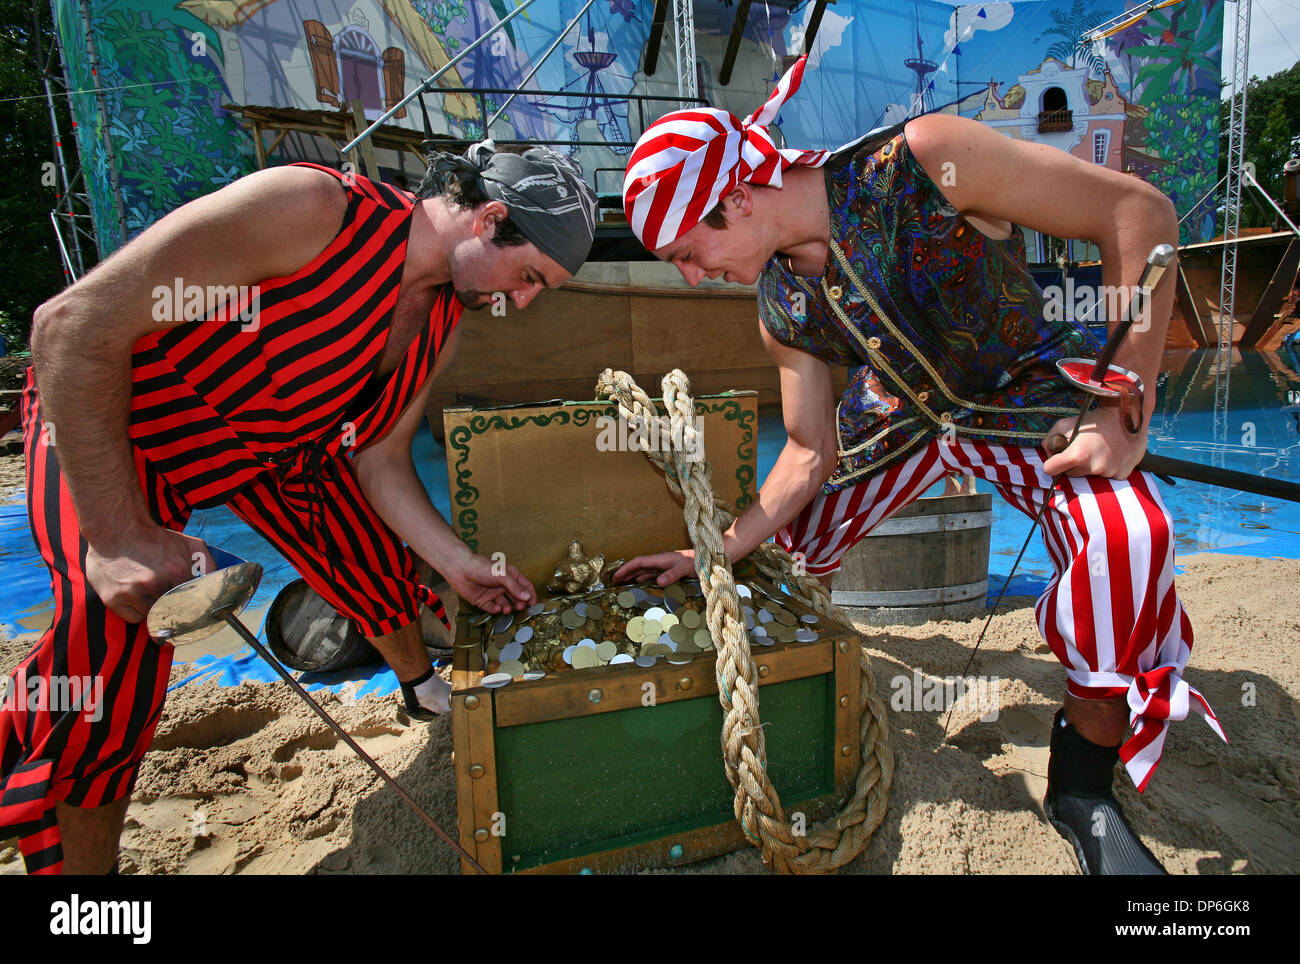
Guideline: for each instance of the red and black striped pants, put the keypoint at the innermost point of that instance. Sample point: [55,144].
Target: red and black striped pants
[85,752]
[1110,613]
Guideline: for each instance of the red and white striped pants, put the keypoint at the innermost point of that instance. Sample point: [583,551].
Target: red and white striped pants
[1110,613]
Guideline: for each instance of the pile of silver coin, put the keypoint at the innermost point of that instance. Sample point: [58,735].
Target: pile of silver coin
[623,625]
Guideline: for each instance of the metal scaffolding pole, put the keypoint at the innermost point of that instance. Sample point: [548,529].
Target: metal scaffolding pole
[72,227]
[1231,216]
[684,27]
[74,263]
[536,67]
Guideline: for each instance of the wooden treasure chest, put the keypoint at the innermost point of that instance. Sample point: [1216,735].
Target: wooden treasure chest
[587,764]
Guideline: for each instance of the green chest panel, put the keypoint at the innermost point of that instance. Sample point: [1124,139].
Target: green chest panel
[591,784]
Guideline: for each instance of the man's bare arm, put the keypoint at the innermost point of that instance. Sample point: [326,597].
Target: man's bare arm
[997,178]
[388,479]
[265,225]
[805,463]
[809,455]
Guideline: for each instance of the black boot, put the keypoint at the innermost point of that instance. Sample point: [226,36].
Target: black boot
[1082,808]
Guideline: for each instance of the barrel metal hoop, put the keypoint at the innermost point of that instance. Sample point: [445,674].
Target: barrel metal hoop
[912,597]
[947,522]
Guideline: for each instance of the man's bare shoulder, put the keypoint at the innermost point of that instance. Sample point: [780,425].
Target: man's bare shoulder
[273,220]
[931,137]
[303,195]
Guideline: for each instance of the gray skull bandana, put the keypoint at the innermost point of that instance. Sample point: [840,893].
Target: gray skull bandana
[547,197]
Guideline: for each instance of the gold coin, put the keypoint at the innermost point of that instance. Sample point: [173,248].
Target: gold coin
[652,630]
[667,621]
[676,593]
[691,619]
[677,633]
[703,639]
[626,599]
[584,657]
[636,628]
[785,634]
[785,617]
[515,668]
[572,619]
[595,612]
[606,651]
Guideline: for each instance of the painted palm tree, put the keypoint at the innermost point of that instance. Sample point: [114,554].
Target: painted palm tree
[1123,45]
[1070,27]
[1182,53]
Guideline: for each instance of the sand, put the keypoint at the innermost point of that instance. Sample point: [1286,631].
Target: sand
[245,780]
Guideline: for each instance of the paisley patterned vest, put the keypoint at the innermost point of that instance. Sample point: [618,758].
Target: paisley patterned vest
[942,327]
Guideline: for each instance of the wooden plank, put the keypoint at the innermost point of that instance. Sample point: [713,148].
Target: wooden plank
[472,745]
[567,695]
[848,680]
[556,346]
[258,147]
[814,23]
[656,37]
[733,42]
[1270,302]
[698,844]
[367,149]
[276,143]
[677,334]
[461,755]
[476,778]
[453,392]
[1191,316]
[466,660]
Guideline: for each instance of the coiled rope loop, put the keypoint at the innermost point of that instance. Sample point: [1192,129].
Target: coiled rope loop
[744,754]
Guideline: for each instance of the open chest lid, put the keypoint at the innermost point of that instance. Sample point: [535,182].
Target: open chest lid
[527,480]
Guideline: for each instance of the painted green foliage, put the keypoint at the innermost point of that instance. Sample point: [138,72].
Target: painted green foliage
[163,89]
[1186,128]
[1172,58]
[1178,81]
[89,134]
[438,14]
[1181,55]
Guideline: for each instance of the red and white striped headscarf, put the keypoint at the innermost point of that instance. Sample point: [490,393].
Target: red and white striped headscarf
[688,160]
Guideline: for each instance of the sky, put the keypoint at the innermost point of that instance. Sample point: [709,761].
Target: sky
[1274,37]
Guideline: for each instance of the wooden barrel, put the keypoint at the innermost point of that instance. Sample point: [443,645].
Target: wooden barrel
[930,560]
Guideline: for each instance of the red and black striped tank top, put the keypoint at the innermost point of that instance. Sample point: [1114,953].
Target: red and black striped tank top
[283,369]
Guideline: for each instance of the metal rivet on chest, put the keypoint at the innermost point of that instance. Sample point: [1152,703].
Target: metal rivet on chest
[924,396]
[836,291]
[873,343]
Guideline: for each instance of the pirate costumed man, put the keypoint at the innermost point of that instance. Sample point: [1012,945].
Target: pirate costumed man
[293,401]
[862,259]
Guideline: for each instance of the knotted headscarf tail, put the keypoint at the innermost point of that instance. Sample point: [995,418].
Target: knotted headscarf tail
[544,191]
[688,160]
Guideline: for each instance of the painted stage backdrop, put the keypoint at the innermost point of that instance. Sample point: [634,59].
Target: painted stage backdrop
[154,78]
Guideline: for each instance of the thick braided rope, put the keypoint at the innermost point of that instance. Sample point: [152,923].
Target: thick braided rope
[757,804]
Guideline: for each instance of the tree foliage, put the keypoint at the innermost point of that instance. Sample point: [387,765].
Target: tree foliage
[33,270]
[1272,136]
